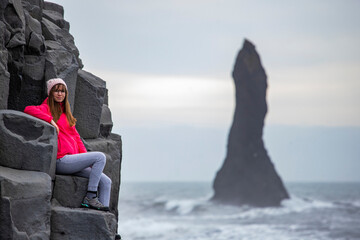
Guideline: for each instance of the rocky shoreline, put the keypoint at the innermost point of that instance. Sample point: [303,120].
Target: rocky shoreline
[35,203]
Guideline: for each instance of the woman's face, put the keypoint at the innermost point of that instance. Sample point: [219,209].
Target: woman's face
[59,93]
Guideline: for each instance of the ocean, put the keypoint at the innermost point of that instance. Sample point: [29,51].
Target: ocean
[182,211]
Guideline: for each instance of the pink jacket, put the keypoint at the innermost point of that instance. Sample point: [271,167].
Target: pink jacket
[69,141]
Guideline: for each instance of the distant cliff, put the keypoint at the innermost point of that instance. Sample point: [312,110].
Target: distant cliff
[247,175]
[35,203]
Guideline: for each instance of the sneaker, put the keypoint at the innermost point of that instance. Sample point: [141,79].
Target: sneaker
[94,203]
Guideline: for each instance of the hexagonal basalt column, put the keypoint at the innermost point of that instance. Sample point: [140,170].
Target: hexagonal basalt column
[27,143]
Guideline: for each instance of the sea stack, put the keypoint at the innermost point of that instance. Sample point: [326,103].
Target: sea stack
[247,176]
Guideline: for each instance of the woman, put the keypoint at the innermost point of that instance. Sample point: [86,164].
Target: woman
[72,157]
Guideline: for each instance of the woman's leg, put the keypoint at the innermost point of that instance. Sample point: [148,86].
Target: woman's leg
[71,164]
[105,190]
[104,185]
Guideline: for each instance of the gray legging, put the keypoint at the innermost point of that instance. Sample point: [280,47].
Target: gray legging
[89,165]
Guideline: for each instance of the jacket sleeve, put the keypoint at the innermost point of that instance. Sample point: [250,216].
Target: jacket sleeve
[41,112]
[80,144]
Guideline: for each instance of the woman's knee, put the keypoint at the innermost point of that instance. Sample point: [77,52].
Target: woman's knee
[101,157]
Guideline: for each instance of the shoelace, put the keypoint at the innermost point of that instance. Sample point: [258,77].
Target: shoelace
[96,202]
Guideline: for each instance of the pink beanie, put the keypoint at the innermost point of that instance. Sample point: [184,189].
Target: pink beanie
[52,82]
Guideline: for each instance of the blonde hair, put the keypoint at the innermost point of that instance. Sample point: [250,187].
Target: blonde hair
[56,109]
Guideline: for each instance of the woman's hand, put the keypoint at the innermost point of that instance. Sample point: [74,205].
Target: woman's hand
[55,125]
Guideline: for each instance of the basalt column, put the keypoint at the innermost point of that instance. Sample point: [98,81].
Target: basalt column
[247,175]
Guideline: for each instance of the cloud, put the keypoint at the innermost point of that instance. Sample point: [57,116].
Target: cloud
[137,99]
[327,95]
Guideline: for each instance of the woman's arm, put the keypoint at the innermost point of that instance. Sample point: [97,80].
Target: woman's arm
[41,112]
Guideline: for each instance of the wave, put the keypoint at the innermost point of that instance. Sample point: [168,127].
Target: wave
[210,210]
[356,203]
[176,212]
[297,204]
[349,204]
[201,219]
[182,206]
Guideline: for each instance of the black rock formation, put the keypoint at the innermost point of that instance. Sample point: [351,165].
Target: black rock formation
[35,203]
[248,176]
[25,205]
[26,143]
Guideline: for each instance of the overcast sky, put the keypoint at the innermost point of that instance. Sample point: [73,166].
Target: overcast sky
[168,64]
